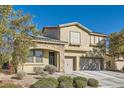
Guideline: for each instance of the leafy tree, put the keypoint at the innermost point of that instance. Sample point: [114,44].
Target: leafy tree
[116,44]
[99,51]
[16,30]
[5,34]
[24,28]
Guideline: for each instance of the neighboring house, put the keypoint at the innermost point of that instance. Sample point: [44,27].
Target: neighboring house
[65,46]
[119,62]
[114,63]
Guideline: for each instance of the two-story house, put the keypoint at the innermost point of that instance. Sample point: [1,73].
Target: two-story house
[65,46]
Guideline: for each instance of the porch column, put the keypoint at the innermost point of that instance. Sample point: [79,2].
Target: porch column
[77,63]
[58,61]
[61,61]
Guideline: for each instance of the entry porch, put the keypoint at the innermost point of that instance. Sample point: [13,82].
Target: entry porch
[45,53]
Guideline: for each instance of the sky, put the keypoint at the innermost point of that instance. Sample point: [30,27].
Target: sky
[103,19]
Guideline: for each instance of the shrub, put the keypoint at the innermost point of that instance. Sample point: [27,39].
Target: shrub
[65,82]
[50,68]
[79,78]
[79,82]
[21,74]
[38,70]
[44,74]
[9,85]
[93,82]
[46,83]
[65,78]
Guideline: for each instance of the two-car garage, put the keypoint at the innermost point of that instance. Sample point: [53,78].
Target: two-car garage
[88,63]
[85,63]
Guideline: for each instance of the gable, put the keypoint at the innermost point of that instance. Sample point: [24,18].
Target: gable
[73,28]
[66,34]
[75,24]
[84,28]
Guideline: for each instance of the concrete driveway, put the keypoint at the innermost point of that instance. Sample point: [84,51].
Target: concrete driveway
[107,79]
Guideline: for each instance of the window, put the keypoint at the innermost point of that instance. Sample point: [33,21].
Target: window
[92,40]
[30,56]
[96,40]
[38,56]
[35,54]
[101,38]
[75,38]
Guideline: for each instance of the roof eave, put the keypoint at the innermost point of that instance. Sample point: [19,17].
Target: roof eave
[50,42]
[75,23]
[98,34]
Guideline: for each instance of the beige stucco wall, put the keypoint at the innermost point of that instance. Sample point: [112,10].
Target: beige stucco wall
[119,65]
[46,47]
[28,67]
[63,34]
[85,38]
[77,55]
[74,53]
[55,47]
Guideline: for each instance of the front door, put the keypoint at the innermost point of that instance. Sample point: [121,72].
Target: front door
[52,58]
[68,65]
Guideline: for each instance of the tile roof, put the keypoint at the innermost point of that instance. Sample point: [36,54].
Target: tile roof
[47,39]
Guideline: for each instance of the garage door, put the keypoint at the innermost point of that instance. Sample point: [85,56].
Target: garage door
[90,63]
[68,66]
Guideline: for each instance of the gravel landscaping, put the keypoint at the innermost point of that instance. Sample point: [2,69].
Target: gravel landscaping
[32,78]
[28,80]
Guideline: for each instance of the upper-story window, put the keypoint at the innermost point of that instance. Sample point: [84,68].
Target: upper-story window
[75,38]
[94,40]
[101,38]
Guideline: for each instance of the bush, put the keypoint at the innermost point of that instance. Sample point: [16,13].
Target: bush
[50,68]
[44,74]
[79,78]
[65,82]
[65,78]
[93,82]
[38,70]
[79,82]
[46,83]
[21,74]
[9,85]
